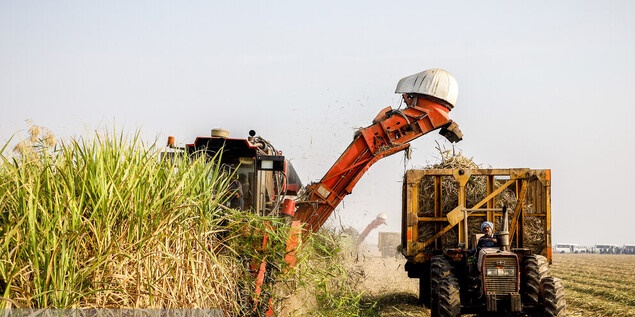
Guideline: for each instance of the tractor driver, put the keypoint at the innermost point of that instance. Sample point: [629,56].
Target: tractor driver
[488,240]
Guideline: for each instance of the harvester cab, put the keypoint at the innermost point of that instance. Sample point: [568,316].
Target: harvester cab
[262,173]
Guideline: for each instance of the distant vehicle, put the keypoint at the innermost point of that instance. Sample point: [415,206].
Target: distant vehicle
[568,248]
[606,248]
[388,243]
[628,249]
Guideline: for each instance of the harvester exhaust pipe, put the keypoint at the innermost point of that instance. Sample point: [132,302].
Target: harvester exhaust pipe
[503,236]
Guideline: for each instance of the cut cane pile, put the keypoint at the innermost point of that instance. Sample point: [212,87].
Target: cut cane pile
[476,190]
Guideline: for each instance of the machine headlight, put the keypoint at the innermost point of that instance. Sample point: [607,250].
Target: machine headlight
[496,271]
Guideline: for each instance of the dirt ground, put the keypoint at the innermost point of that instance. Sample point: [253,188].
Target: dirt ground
[386,282]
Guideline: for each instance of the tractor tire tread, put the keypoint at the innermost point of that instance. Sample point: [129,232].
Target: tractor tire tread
[449,297]
[535,268]
[554,301]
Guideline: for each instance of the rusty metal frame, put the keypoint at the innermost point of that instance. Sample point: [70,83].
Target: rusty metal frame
[443,223]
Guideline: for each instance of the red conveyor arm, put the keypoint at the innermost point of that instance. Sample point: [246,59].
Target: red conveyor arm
[370,227]
[391,132]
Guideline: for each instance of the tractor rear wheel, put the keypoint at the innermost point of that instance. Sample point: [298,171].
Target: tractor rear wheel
[552,293]
[440,268]
[535,268]
[449,297]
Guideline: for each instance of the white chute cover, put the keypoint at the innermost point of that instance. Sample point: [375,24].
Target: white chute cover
[434,82]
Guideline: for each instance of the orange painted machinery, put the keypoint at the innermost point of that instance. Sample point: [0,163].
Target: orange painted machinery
[269,183]
[429,96]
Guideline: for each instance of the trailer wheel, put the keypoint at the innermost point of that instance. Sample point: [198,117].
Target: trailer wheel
[424,290]
[552,293]
[439,269]
[449,297]
[535,268]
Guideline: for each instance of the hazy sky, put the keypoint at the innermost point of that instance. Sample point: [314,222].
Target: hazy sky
[542,84]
